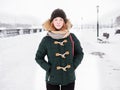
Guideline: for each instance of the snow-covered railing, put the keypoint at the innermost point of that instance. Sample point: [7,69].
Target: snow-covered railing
[14,32]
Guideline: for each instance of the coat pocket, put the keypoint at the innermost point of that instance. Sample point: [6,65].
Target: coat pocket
[70,73]
[54,75]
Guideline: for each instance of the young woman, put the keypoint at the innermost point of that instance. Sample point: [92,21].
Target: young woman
[63,50]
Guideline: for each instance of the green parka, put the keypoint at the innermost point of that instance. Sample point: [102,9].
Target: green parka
[61,64]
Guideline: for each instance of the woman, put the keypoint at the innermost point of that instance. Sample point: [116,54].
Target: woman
[63,51]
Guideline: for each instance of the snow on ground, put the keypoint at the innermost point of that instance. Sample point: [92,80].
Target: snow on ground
[99,70]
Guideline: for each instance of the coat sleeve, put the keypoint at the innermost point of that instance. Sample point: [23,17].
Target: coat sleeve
[78,52]
[40,55]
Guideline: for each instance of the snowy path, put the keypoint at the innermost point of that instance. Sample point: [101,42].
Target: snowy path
[17,63]
[19,71]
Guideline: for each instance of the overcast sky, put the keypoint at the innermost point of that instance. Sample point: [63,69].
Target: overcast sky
[77,10]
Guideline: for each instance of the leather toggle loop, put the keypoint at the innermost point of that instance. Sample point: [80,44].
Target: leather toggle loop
[63,68]
[60,43]
[63,55]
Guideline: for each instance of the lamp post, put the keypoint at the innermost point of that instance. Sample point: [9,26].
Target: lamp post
[97,21]
[81,23]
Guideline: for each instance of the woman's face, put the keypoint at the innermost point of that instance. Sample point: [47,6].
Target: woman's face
[58,23]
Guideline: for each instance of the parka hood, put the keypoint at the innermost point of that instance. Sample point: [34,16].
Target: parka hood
[47,25]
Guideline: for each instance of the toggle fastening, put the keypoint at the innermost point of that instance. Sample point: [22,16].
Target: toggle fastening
[63,68]
[61,43]
[63,55]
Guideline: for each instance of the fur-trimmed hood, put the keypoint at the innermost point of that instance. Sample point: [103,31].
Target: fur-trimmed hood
[47,25]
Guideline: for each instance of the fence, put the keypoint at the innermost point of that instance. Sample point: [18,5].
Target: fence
[14,32]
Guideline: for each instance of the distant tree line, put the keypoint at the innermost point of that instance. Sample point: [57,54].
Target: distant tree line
[6,25]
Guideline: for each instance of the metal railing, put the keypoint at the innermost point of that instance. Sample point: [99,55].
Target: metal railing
[15,32]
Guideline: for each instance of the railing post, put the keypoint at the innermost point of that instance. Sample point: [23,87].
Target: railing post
[21,31]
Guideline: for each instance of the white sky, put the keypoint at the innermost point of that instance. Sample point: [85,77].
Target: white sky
[76,10]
